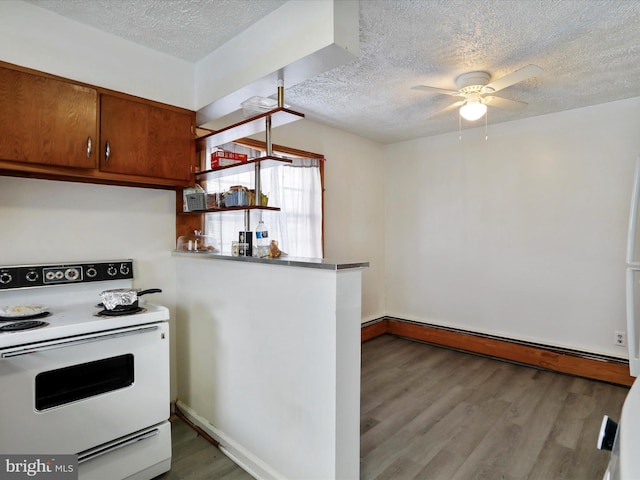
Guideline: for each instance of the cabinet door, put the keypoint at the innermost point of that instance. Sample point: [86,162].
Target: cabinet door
[47,121]
[142,139]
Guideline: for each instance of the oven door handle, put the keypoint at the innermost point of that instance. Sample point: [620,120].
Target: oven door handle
[56,344]
[98,452]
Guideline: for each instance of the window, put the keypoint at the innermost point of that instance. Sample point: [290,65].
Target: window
[295,188]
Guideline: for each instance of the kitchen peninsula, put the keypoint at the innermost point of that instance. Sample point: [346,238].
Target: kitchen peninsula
[269,361]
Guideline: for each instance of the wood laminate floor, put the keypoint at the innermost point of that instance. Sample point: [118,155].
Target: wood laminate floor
[433,413]
[194,458]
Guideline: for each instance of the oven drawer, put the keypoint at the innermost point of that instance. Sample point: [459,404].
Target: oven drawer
[69,395]
[141,456]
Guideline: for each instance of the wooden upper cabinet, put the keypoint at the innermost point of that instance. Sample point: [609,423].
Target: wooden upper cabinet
[137,138]
[51,127]
[47,121]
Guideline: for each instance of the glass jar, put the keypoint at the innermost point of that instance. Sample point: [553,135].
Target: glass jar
[196,243]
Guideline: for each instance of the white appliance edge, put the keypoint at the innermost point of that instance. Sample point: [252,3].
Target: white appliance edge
[623,464]
[633,265]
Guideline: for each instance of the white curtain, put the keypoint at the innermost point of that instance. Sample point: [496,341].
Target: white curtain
[296,189]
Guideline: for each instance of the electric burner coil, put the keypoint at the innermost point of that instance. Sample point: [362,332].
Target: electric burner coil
[27,317]
[22,325]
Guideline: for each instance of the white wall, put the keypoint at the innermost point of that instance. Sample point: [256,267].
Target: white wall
[522,235]
[270,364]
[36,38]
[354,201]
[46,221]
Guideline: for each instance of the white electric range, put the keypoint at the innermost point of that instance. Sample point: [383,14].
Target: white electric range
[78,382]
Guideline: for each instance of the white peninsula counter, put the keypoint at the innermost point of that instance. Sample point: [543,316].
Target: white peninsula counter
[269,361]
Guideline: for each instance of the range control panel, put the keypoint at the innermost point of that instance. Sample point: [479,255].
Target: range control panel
[24,276]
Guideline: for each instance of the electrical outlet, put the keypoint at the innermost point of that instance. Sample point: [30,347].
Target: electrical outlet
[620,338]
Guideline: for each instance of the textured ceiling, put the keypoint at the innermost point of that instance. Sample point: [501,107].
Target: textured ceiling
[589,50]
[187,29]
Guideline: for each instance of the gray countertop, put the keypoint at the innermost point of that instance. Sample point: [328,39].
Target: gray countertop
[287,261]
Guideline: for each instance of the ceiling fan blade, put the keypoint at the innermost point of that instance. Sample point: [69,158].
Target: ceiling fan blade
[441,91]
[453,106]
[504,103]
[512,78]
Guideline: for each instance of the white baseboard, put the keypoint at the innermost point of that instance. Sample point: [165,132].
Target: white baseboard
[232,449]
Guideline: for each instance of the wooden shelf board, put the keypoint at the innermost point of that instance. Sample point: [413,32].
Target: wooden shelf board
[230,209]
[250,126]
[248,166]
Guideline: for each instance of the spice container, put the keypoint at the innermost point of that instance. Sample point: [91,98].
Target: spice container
[245,244]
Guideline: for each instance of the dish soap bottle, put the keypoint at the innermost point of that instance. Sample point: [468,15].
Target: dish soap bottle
[262,240]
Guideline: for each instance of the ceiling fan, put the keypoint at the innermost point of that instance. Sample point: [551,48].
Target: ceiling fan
[476,92]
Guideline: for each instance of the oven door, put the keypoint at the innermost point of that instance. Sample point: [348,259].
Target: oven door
[69,395]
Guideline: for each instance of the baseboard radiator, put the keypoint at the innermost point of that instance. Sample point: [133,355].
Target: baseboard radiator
[582,364]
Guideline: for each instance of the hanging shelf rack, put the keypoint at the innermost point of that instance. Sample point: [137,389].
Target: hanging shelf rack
[263,122]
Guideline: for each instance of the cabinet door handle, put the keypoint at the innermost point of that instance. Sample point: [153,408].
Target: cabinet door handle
[88,147]
[107,152]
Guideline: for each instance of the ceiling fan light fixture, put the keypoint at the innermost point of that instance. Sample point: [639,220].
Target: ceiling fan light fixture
[473,109]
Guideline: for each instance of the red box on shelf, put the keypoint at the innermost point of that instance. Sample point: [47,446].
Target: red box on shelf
[223,162]
[230,155]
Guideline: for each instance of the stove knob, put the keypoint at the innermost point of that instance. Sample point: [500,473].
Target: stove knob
[111,271]
[72,274]
[91,272]
[5,278]
[124,269]
[32,276]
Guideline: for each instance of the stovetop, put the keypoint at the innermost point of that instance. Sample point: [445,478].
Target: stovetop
[71,293]
[80,319]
